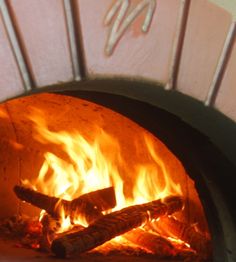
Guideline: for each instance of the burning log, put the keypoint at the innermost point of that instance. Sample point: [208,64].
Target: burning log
[188,233]
[157,244]
[50,228]
[90,205]
[160,246]
[114,224]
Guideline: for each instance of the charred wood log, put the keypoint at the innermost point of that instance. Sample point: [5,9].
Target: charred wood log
[90,205]
[51,227]
[160,246]
[114,224]
[188,233]
[155,243]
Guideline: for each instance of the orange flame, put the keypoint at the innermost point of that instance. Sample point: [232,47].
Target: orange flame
[90,164]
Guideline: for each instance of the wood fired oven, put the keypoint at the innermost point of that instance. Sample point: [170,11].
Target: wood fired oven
[162,68]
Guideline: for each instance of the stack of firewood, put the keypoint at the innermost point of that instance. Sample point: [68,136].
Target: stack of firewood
[143,225]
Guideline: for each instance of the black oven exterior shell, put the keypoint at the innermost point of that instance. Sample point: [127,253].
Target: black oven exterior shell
[213,173]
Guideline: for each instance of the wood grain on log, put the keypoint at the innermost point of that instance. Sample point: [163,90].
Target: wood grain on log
[51,230]
[160,246]
[188,233]
[90,205]
[114,224]
[155,243]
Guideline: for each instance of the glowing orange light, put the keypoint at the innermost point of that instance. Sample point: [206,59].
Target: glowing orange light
[92,165]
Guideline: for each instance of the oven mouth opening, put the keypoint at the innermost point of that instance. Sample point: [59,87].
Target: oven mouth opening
[194,168]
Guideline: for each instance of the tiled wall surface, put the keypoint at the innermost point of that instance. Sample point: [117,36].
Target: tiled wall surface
[136,54]
[10,80]
[190,42]
[206,32]
[42,29]
[226,99]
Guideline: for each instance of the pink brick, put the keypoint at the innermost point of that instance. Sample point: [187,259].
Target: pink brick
[207,29]
[10,81]
[42,27]
[226,99]
[136,54]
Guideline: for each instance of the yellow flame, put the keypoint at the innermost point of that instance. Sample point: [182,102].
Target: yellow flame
[157,183]
[90,164]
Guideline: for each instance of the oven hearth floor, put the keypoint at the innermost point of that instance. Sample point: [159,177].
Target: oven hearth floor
[10,253]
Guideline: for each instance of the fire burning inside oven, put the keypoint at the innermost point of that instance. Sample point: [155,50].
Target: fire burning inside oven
[102,183]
